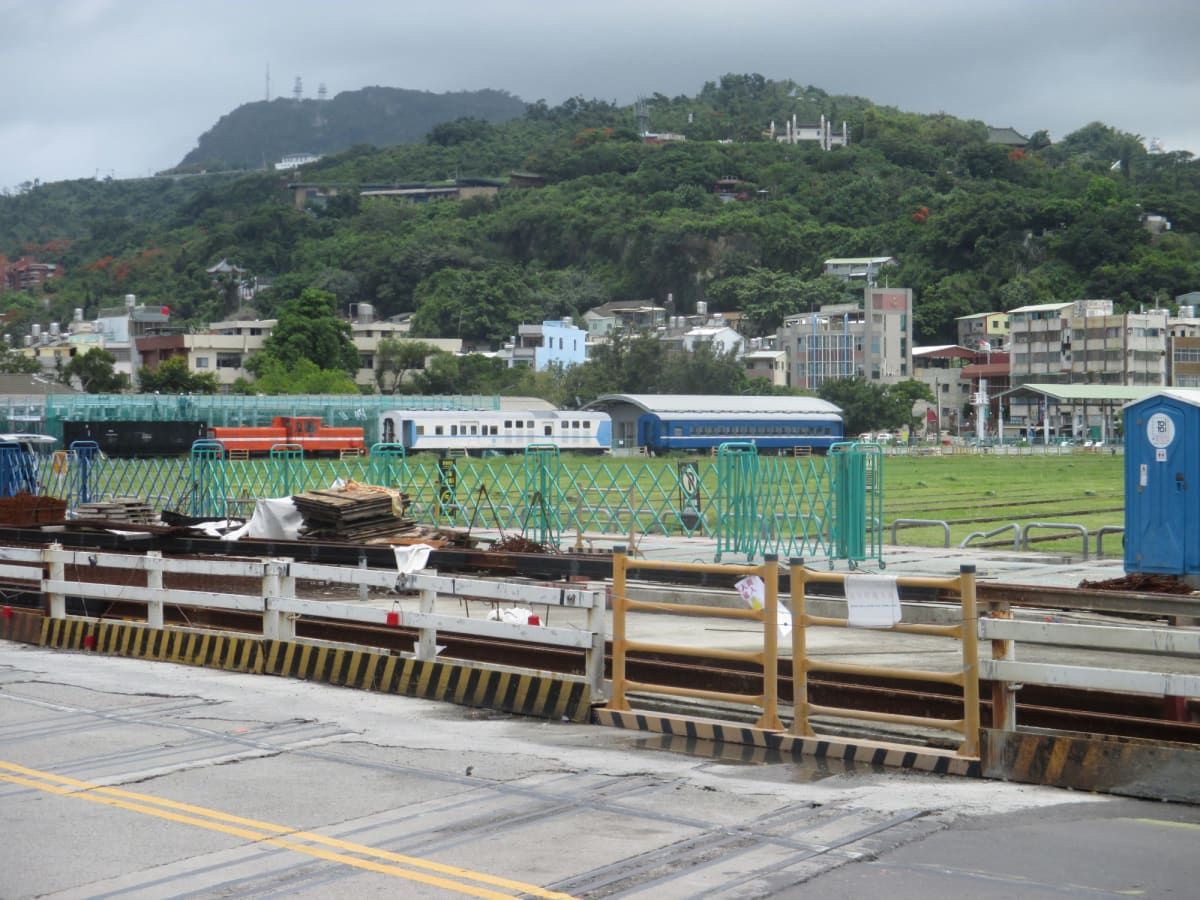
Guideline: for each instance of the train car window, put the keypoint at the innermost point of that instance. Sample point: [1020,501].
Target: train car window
[548,430]
[677,431]
[440,429]
[575,423]
[507,424]
[474,429]
[529,424]
[420,429]
[587,423]
[495,430]
[454,430]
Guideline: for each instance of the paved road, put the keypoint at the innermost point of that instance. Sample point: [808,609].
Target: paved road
[129,779]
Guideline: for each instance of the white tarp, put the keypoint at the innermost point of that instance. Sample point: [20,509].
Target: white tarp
[272,520]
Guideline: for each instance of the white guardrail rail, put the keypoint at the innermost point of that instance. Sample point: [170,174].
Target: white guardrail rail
[280,607]
[1009,674]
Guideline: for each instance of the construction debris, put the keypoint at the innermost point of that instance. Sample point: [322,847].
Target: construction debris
[1142,583]
[133,510]
[350,514]
[31,509]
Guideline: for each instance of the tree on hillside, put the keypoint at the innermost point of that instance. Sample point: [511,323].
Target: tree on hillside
[475,306]
[766,296]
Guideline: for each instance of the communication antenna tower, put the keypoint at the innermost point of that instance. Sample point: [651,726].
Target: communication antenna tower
[318,118]
[642,111]
[297,89]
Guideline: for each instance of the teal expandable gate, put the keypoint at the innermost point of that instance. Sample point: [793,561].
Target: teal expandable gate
[387,465]
[287,470]
[794,506]
[208,479]
[800,507]
[542,465]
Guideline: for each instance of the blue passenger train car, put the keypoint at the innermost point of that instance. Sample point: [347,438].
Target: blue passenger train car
[767,431]
[659,423]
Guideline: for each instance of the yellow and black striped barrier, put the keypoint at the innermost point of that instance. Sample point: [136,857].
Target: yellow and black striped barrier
[194,648]
[540,695]
[765,744]
[1089,762]
[522,693]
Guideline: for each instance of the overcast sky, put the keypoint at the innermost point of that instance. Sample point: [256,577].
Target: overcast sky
[126,87]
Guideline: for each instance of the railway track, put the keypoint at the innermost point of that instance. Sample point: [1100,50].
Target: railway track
[1121,715]
[1057,709]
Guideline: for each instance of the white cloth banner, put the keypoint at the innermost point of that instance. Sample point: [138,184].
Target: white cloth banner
[872,601]
[412,558]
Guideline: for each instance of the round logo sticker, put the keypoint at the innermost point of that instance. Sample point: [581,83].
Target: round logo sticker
[1160,430]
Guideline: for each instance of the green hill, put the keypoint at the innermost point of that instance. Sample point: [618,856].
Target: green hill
[975,226]
[257,135]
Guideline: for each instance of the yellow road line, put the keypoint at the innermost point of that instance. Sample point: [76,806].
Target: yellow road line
[1167,823]
[275,835]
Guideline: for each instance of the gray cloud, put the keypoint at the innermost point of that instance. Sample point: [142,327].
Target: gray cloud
[125,87]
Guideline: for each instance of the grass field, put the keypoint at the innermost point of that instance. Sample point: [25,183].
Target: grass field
[983,493]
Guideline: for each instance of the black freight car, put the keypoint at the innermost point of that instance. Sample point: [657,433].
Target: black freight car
[135,439]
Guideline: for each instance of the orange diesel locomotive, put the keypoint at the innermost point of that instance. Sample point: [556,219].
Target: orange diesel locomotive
[306,432]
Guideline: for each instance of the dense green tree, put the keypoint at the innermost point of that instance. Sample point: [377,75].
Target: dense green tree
[394,359]
[864,404]
[172,377]
[308,329]
[13,362]
[273,376]
[93,372]
[902,397]
[473,305]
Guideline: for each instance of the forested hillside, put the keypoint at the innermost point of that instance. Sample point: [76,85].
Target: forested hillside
[975,226]
[257,135]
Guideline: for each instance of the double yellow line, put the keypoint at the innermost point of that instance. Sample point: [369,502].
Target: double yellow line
[360,856]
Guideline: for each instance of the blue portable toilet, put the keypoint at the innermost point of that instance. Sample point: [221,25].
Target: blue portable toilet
[1162,483]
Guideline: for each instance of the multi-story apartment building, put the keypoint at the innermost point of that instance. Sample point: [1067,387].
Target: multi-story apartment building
[553,341]
[26,274]
[872,340]
[1085,342]
[226,346]
[983,331]
[854,268]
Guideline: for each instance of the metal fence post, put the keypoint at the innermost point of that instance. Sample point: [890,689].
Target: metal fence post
[617,700]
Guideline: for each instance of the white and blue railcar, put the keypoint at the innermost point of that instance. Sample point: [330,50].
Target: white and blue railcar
[482,432]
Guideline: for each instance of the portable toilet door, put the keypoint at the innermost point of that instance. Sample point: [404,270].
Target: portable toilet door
[1162,483]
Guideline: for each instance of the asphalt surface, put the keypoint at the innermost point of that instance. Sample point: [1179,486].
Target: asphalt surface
[123,778]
